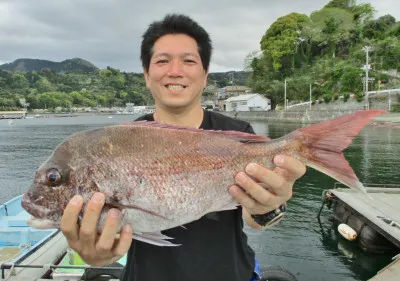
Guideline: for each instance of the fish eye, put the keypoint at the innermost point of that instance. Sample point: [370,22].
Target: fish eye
[53,177]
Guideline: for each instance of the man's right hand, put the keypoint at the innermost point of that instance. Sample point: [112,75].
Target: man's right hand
[93,248]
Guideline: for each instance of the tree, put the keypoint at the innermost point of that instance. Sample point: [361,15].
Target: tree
[19,81]
[247,64]
[363,12]
[377,28]
[43,85]
[45,100]
[281,39]
[351,80]
[331,28]
[77,98]
[341,4]
[32,100]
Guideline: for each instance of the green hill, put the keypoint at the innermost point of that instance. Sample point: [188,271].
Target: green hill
[69,65]
[327,50]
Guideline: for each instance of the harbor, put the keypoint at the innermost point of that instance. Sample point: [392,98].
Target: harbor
[372,220]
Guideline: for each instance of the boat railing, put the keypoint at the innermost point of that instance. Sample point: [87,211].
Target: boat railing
[370,185]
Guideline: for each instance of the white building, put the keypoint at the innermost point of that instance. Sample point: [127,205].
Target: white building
[249,102]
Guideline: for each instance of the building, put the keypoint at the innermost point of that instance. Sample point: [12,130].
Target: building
[248,102]
[209,98]
[233,91]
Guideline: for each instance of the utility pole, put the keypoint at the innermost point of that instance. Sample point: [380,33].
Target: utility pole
[310,97]
[366,49]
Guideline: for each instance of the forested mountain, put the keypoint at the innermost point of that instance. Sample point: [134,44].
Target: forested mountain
[326,50]
[70,65]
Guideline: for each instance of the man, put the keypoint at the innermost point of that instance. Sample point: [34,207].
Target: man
[175,54]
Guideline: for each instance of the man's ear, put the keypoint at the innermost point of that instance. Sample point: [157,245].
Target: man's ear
[205,78]
[146,77]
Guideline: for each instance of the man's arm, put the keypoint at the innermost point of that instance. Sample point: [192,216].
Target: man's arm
[256,199]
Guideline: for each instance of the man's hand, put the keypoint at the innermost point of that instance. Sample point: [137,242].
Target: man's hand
[250,192]
[95,249]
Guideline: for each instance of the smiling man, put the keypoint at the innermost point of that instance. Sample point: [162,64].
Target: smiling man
[176,79]
[176,54]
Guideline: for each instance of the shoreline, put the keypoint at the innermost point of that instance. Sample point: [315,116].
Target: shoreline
[306,117]
[297,117]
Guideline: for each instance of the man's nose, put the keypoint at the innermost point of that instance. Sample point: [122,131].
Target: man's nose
[175,68]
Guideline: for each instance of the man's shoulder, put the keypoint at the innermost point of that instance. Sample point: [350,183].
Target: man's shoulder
[222,122]
[146,117]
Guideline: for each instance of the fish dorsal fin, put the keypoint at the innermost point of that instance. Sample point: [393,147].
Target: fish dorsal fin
[235,135]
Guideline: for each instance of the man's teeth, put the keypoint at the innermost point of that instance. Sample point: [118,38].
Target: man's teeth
[175,87]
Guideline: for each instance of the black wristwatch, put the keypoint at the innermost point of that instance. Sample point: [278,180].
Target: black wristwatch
[270,218]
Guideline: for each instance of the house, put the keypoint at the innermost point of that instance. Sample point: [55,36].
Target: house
[232,91]
[248,102]
[209,97]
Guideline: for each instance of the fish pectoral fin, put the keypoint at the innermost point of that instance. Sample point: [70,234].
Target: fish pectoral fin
[123,206]
[230,206]
[156,238]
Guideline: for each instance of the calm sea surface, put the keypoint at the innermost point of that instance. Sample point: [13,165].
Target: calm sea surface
[310,250]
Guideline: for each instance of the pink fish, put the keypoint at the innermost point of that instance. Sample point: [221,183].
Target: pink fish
[162,176]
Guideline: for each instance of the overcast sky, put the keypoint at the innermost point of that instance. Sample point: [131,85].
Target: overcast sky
[108,32]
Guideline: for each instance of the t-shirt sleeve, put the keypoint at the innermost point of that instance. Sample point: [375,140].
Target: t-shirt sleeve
[249,129]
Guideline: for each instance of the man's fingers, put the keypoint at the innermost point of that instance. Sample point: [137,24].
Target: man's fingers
[107,237]
[242,197]
[122,245]
[88,229]
[69,220]
[295,168]
[272,180]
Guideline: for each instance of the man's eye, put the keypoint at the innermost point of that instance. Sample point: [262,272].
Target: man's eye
[161,61]
[190,61]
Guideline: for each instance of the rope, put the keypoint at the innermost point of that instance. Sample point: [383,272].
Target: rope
[5,208]
[10,273]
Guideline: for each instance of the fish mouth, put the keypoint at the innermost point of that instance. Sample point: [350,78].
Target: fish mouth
[35,210]
[42,223]
[39,214]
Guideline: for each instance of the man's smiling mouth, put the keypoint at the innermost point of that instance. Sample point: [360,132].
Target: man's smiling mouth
[175,87]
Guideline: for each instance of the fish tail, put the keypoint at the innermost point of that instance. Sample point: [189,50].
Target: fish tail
[325,142]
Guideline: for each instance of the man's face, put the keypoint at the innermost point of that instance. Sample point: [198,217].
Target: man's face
[176,77]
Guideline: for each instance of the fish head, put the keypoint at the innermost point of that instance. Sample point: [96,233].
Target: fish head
[50,192]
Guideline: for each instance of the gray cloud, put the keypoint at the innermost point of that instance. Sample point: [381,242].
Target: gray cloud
[108,32]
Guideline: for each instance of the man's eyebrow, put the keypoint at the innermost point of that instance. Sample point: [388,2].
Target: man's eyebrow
[190,54]
[161,55]
[183,55]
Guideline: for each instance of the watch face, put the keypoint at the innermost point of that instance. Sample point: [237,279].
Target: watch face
[271,217]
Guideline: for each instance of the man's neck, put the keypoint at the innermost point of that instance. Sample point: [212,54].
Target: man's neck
[192,117]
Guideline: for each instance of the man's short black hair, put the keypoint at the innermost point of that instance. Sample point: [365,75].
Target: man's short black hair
[176,24]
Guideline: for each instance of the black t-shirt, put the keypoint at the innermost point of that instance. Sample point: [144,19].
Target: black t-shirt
[214,248]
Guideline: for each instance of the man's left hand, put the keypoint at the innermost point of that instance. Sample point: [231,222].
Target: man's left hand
[260,190]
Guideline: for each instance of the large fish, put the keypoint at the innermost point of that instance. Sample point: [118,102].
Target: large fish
[162,176]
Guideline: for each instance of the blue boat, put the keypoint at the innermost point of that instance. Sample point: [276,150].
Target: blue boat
[30,254]
[22,245]
[17,239]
